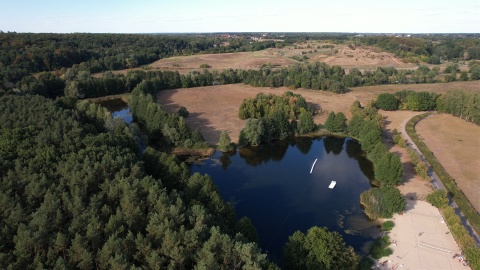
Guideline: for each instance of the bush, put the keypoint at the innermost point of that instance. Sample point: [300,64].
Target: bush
[387,102]
[422,170]
[183,112]
[438,198]
[380,247]
[382,202]
[225,143]
[388,225]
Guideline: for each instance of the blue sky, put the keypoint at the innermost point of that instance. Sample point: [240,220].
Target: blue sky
[149,16]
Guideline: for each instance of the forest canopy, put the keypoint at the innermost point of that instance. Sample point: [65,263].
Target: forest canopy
[75,195]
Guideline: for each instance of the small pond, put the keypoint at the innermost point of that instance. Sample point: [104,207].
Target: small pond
[119,109]
[273,186]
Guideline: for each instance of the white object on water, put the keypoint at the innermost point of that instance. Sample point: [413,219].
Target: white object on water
[332,184]
[313,165]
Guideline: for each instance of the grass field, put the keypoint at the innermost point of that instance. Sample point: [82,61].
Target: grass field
[456,144]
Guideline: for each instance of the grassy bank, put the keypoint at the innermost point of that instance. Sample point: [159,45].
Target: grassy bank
[460,199]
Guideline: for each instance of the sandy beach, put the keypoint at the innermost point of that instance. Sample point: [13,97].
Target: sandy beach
[422,241]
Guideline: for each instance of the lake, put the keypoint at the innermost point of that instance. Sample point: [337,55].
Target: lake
[273,186]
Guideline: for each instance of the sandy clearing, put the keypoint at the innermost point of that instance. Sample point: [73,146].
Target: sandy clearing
[456,145]
[422,240]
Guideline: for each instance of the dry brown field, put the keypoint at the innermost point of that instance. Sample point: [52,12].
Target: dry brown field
[362,57]
[214,108]
[456,145]
[241,60]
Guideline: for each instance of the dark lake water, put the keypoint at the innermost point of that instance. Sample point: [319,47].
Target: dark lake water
[119,109]
[273,186]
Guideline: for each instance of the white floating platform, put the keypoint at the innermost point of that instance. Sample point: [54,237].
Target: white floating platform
[313,165]
[332,184]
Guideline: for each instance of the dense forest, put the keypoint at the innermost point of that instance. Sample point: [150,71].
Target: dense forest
[431,49]
[22,54]
[62,63]
[74,194]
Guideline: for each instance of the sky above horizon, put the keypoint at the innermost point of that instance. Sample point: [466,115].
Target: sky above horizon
[194,16]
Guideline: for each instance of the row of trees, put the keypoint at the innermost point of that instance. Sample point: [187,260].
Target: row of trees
[75,195]
[271,117]
[461,104]
[456,102]
[79,83]
[366,125]
[407,100]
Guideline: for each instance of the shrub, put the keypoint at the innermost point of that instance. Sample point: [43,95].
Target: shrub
[382,202]
[388,225]
[387,102]
[438,198]
[380,247]
[183,112]
[225,143]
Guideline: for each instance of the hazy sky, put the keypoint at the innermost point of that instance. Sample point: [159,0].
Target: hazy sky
[149,16]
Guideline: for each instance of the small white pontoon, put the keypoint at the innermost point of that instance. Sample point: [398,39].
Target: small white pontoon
[332,184]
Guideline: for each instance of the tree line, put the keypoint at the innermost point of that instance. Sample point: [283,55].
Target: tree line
[431,49]
[318,76]
[455,102]
[24,53]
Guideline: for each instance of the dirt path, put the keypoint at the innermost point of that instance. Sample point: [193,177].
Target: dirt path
[413,186]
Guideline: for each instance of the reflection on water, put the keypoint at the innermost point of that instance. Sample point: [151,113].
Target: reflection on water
[119,109]
[273,186]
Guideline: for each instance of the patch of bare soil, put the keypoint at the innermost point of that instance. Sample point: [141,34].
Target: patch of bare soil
[456,144]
